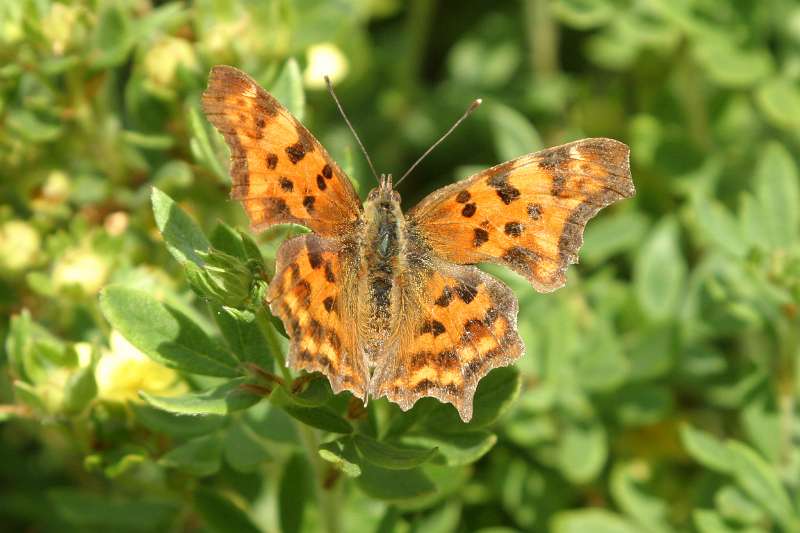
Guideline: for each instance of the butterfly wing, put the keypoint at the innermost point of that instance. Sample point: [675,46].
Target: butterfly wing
[458,323]
[280,172]
[529,213]
[310,293]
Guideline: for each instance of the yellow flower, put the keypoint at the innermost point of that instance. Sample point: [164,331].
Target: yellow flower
[324,59]
[19,246]
[123,371]
[60,26]
[80,268]
[162,60]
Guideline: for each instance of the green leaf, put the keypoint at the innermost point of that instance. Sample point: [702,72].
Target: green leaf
[319,417]
[736,506]
[778,192]
[731,67]
[288,89]
[394,485]
[582,450]
[173,424]
[341,454]
[244,449]
[182,235]
[455,449]
[112,39]
[779,100]
[165,334]
[391,456]
[220,400]
[760,481]
[594,520]
[495,394]
[316,392]
[80,390]
[706,449]
[513,134]
[660,272]
[584,14]
[613,234]
[199,457]
[636,498]
[28,126]
[721,227]
[103,512]
[27,394]
[295,493]
[643,404]
[707,521]
[202,150]
[243,336]
[220,514]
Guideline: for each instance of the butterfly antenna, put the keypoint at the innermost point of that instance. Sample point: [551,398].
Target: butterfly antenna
[472,107]
[347,121]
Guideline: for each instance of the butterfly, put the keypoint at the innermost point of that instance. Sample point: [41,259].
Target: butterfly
[387,303]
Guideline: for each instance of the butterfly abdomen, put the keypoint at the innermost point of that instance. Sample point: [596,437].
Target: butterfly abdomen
[381,252]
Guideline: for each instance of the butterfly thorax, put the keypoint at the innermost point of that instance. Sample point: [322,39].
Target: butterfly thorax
[382,252]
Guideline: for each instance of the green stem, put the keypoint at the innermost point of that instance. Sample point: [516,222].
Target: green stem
[326,499]
[273,344]
[542,35]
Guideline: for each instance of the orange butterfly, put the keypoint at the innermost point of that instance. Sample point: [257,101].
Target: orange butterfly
[388,304]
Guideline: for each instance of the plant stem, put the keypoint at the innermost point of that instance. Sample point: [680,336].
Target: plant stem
[542,38]
[327,500]
[273,344]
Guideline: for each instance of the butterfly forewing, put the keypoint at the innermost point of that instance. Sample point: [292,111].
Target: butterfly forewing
[280,172]
[528,214]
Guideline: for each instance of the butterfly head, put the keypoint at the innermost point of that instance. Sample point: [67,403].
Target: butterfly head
[384,192]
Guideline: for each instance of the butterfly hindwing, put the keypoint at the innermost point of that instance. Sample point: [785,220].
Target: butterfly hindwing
[280,172]
[528,214]
[461,324]
[311,294]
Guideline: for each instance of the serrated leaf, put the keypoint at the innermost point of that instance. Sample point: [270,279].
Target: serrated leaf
[182,235]
[220,400]
[199,457]
[164,334]
[391,456]
[220,515]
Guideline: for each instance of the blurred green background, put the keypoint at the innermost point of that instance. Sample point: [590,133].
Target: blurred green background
[659,389]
